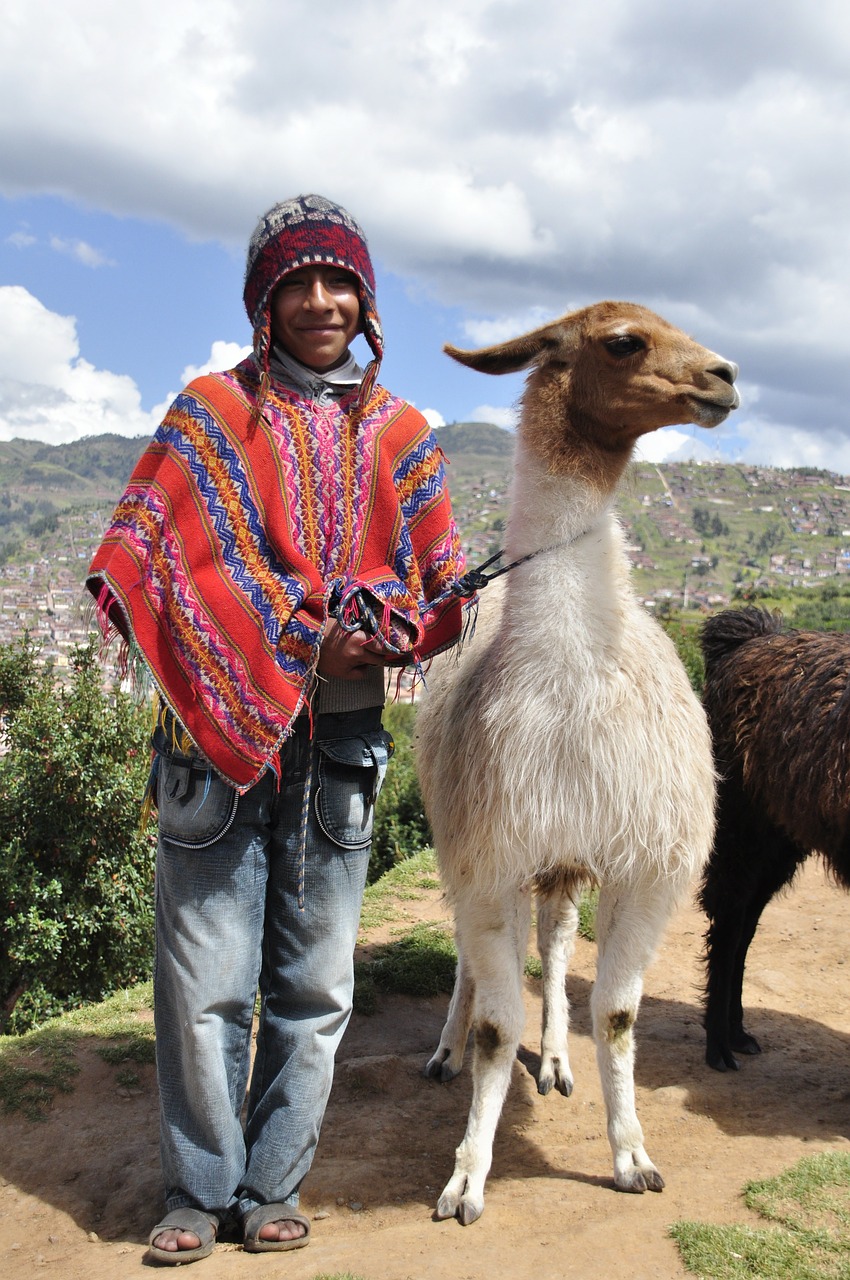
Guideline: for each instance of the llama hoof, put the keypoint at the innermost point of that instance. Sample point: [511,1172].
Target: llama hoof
[720,1058]
[564,1084]
[446,1208]
[457,1202]
[466,1211]
[633,1185]
[635,1179]
[439,1068]
[746,1044]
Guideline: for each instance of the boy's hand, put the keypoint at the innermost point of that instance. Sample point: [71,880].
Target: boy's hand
[346,655]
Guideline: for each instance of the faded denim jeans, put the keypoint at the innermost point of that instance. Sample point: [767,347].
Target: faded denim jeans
[229,921]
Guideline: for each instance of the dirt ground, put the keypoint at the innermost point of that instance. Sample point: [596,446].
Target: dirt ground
[79,1192]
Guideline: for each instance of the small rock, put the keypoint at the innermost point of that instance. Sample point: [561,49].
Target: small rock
[673,1093]
[321,1215]
[355,1206]
[93,1237]
[376,1073]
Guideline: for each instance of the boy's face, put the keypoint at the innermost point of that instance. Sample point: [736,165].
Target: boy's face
[315,314]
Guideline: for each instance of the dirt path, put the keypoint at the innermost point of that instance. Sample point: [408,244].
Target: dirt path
[79,1192]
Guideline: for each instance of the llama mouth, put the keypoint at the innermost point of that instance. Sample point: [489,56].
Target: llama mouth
[710,413]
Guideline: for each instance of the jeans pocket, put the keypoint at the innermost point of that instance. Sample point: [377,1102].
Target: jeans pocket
[351,772]
[196,807]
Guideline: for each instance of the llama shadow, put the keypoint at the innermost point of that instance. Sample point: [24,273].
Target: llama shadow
[800,1058]
[419,1122]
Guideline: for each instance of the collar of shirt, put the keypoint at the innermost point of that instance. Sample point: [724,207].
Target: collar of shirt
[322,388]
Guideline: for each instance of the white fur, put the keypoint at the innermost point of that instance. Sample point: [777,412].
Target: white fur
[564,746]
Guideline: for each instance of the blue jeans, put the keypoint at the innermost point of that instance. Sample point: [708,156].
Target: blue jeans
[247,899]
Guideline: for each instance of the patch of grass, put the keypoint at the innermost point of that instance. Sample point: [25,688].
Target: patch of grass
[36,1066]
[405,882]
[813,1195]
[739,1253]
[338,1275]
[810,1202]
[533,968]
[419,963]
[587,905]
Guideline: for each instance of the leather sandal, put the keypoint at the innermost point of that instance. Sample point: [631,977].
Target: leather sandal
[252,1242]
[202,1225]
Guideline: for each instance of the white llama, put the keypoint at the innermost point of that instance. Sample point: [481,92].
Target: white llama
[565,745]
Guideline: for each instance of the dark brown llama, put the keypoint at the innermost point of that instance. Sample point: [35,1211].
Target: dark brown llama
[778,704]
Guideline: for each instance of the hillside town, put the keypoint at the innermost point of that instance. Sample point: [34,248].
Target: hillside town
[696,532]
[42,593]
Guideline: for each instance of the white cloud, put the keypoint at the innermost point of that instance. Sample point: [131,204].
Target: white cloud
[21,239]
[47,390]
[223,355]
[434,418]
[513,163]
[498,415]
[488,333]
[81,252]
[671,444]
[785,445]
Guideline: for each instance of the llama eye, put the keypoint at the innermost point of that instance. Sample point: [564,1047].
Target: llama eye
[625,344]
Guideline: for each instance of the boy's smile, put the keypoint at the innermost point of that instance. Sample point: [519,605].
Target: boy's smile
[315,314]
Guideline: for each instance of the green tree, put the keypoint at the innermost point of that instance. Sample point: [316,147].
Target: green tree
[76,872]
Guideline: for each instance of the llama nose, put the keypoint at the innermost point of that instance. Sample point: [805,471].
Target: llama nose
[726,370]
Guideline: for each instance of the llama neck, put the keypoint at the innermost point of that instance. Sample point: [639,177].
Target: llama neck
[549,510]
[583,581]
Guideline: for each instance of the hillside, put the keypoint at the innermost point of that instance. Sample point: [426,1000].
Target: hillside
[699,534]
[39,483]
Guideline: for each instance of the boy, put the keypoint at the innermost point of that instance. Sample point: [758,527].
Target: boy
[285,537]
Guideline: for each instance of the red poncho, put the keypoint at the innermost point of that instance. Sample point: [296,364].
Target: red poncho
[231,539]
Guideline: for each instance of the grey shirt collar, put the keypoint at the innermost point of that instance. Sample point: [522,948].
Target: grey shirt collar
[322,388]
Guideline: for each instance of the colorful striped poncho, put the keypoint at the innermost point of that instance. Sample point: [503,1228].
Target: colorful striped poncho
[232,538]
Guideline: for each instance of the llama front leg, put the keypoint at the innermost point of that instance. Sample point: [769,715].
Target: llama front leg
[447,1060]
[557,922]
[629,923]
[492,940]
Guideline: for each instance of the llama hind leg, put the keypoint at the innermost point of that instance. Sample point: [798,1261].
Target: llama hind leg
[492,939]
[751,862]
[447,1061]
[629,923]
[557,922]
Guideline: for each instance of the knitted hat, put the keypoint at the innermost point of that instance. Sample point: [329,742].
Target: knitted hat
[308,231]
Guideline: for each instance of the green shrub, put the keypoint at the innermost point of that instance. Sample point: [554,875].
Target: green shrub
[401,828]
[685,636]
[76,873]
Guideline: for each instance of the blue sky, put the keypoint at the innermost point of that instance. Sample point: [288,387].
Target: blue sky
[693,158]
[148,301]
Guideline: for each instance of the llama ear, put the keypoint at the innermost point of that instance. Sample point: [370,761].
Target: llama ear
[518,353]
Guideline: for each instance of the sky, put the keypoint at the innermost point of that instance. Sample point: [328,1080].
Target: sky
[509,162]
